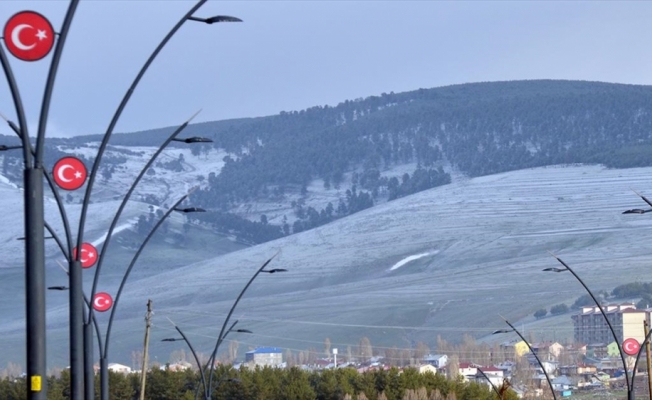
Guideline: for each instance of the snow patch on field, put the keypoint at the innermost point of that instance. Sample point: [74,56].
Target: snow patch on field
[408,259]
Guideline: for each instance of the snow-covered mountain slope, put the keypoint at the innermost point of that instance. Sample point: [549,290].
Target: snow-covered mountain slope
[446,261]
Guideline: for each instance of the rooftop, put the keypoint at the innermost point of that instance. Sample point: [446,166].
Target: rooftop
[264,350]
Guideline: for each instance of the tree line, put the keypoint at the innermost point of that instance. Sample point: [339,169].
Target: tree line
[272,384]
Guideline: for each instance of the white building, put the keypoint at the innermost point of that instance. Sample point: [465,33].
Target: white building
[123,369]
[437,360]
[265,356]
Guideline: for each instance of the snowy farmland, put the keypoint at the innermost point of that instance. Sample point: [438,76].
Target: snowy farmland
[446,262]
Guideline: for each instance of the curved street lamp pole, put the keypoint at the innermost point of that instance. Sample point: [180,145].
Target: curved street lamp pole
[89,373]
[95,326]
[192,350]
[34,221]
[80,331]
[104,370]
[220,338]
[513,329]
[75,299]
[630,387]
[638,355]
[500,396]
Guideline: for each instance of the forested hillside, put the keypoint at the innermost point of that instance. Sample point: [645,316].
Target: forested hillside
[479,129]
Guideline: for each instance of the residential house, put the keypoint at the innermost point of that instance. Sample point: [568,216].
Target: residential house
[575,349]
[585,369]
[514,349]
[507,367]
[579,369]
[550,366]
[547,350]
[561,383]
[610,364]
[179,366]
[596,350]
[490,376]
[467,370]
[123,369]
[437,360]
[265,356]
[613,350]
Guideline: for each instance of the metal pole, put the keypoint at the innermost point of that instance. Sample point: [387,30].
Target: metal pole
[76,296]
[630,389]
[35,284]
[98,158]
[491,383]
[114,121]
[143,372]
[104,376]
[649,362]
[49,83]
[125,199]
[638,356]
[194,354]
[554,396]
[211,360]
[89,371]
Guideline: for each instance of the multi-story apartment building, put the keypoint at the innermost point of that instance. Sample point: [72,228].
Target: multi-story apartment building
[627,321]
[265,356]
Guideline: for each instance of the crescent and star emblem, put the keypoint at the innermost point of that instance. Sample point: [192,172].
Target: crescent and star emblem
[69,173]
[88,255]
[102,302]
[631,346]
[29,36]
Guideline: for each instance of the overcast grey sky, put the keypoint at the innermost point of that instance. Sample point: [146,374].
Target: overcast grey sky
[296,54]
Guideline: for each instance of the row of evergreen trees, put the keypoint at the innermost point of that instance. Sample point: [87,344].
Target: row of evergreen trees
[275,384]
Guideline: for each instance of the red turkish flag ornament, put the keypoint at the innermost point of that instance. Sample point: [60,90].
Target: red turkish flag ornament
[88,255]
[102,302]
[631,346]
[29,36]
[69,173]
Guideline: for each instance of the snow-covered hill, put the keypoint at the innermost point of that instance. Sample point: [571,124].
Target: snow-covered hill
[446,261]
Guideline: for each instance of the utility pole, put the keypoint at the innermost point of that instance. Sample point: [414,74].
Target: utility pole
[646,329]
[148,324]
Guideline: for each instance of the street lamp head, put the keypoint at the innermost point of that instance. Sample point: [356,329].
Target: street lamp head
[502,331]
[5,147]
[46,237]
[58,288]
[170,339]
[271,271]
[243,331]
[554,269]
[194,139]
[636,211]
[190,209]
[217,18]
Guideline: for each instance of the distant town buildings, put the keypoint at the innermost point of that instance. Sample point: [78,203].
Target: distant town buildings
[590,326]
[123,369]
[265,356]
